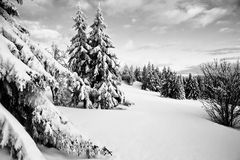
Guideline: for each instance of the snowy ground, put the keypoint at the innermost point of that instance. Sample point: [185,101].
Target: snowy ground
[154,129]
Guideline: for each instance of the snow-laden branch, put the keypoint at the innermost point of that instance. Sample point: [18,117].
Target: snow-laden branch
[14,136]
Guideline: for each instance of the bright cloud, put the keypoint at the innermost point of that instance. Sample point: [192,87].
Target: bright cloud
[121,6]
[41,32]
[83,4]
[226,30]
[44,34]
[127,26]
[159,29]
[129,45]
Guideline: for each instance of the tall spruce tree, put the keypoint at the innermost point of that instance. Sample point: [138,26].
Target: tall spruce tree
[79,60]
[104,66]
[155,79]
[164,77]
[147,76]
[144,77]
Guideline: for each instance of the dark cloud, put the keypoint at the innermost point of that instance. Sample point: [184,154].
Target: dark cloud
[238,3]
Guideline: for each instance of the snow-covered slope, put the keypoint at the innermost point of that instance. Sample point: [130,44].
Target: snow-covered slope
[156,129]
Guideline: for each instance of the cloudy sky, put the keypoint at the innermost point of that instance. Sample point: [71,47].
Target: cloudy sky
[178,33]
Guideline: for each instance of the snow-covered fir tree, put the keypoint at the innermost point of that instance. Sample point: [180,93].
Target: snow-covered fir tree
[191,87]
[128,74]
[151,78]
[144,77]
[155,79]
[104,66]
[171,85]
[147,75]
[181,88]
[25,71]
[138,74]
[80,60]
[201,86]
[131,73]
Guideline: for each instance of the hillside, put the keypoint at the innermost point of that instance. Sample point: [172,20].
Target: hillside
[155,128]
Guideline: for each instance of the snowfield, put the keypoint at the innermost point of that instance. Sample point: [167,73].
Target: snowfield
[154,128]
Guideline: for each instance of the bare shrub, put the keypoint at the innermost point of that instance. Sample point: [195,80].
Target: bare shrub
[222,92]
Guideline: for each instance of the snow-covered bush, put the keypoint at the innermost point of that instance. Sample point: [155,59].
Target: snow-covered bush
[222,92]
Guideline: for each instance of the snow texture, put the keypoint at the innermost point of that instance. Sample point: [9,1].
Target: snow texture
[157,128]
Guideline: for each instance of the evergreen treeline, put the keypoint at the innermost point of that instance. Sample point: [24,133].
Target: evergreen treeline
[167,82]
[218,87]
[128,75]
